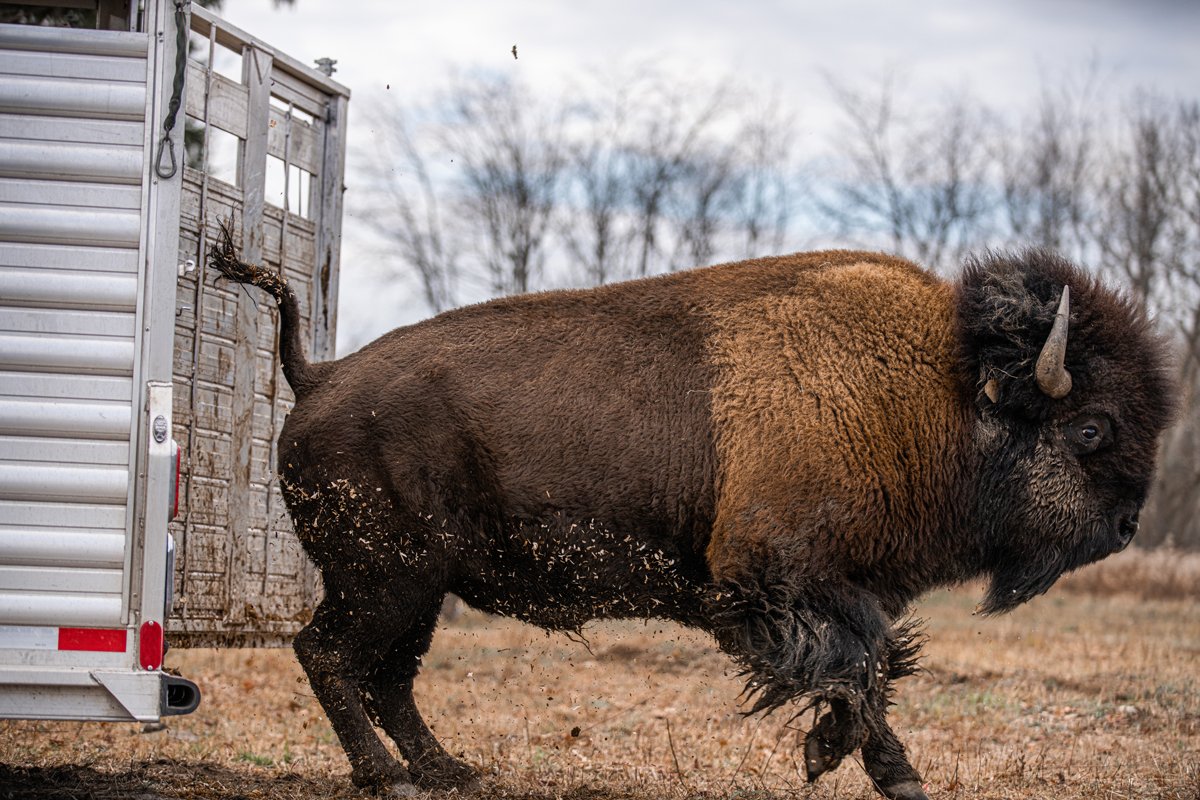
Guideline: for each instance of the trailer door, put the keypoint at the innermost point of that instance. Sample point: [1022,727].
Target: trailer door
[270,136]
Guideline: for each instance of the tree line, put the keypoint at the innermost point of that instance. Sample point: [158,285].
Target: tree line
[481,190]
[487,188]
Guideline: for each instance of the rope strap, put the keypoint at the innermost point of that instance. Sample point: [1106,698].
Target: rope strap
[166,145]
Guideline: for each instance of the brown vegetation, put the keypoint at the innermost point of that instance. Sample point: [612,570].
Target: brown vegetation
[1073,696]
[1163,573]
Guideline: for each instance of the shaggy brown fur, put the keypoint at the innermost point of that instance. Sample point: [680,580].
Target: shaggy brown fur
[784,452]
[839,414]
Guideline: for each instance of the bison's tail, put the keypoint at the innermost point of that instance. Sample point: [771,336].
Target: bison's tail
[301,374]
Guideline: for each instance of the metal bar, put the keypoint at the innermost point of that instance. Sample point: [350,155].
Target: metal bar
[198,312]
[273,452]
[68,40]
[73,98]
[236,39]
[329,231]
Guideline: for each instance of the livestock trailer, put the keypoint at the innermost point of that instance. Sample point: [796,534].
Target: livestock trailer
[140,399]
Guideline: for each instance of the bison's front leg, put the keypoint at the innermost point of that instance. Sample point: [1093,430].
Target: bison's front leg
[837,734]
[888,766]
[839,731]
[824,642]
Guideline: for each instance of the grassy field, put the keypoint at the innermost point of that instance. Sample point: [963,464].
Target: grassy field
[1077,695]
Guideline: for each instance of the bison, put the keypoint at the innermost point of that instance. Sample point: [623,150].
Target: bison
[785,452]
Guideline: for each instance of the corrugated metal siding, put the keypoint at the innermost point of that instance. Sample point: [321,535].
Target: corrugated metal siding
[71,163]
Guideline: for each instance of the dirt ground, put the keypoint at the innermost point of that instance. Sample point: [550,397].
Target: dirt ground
[1073,696]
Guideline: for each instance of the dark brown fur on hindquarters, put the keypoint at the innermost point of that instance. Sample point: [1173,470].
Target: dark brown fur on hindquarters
[785,452]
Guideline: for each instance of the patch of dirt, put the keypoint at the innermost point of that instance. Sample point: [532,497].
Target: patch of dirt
[161,779]
[1071,697]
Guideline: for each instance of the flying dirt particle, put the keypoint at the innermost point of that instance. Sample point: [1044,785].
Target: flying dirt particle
[575,732]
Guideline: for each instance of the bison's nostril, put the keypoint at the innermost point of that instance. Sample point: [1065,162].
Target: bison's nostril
[1127,526]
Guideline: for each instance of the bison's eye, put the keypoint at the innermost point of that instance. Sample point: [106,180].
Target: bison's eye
[1088,433]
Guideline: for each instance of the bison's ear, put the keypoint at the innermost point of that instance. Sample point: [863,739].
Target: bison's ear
[1006,311]
[991,390]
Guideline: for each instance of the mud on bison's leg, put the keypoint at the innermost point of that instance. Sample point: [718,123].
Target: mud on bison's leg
[839,732]
[884,758]
[883,754]
[335,650]
[388,693]
[888,765]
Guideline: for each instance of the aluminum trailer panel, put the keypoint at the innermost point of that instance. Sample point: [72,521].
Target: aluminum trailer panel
[116,343]
[88,239]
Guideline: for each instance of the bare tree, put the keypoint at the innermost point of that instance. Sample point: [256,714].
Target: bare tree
[668,136]
[511,160]
[764,191]
[922,184]
[595,223]
[661,181]
[1046,164]
[462,191]
[1148,234]
[701,199]
[1137,194]
[402,207]
[1185,235]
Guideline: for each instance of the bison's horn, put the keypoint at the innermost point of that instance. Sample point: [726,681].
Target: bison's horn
[1052,376]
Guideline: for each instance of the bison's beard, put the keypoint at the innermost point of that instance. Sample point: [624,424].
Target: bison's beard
[1010,588]
[1020,577]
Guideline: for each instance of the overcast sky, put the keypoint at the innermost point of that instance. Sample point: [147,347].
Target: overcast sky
[999,51]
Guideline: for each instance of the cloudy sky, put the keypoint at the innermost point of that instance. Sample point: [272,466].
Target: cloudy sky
[999,51]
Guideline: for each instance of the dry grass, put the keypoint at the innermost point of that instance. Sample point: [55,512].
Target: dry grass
[1071,697]
[1164,573]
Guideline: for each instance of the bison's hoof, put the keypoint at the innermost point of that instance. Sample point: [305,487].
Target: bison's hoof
[904,790]
[394,789]
[390,781]
[445,773]
[818,758]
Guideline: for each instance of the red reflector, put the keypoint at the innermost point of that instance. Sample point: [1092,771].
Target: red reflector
[150,645]
[92,639]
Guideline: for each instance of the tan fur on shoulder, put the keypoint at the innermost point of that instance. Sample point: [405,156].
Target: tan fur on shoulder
[806,383]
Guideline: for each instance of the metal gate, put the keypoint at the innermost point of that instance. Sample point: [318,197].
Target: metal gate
[87,238]
[241,577]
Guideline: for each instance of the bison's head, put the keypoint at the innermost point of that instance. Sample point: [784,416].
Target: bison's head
[1072,391]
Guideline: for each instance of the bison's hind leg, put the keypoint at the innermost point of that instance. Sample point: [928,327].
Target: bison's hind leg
[336,651]
[389,696]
